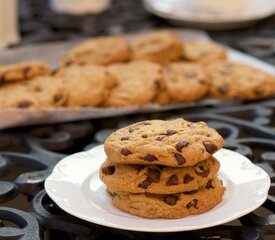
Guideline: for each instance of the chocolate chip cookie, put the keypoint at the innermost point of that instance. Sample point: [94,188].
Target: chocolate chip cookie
[49,91]
[100,50]
[23,71]
[176,143]
[157,179]
[171,205]
[137,83]
[15,96]
[40,92]
[203,52]
[160,47]
[87,85]
[239,81]
[185,82]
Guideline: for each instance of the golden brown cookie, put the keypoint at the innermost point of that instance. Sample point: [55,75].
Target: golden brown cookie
[230,80]
[202,51]
[23,71]
[48,91]
[172,205]
[160,47]
[14,95]
[176,143]
[99,50]
[40,92]
[185,82]
[137,83]
[87,85]
[157,179]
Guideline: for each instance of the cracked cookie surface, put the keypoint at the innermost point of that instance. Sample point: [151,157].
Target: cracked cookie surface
[176,143]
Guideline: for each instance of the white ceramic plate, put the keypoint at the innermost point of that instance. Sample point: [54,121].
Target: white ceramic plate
[76,188]
[211,14]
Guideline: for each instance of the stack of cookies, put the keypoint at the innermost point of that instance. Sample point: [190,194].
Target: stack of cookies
[163,169]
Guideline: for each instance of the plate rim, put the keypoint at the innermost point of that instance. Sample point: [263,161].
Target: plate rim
[208,18]
[177,229]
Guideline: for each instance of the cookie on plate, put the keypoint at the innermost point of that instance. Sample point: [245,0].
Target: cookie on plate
[157,179]
[87,85]
[23,71]
[176,143]
[202,51]
[137,83]
[185,82]
[100,50]
[230,80]
[160,47]
[172,205]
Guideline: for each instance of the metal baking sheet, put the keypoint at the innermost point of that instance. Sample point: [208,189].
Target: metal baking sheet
[53,51]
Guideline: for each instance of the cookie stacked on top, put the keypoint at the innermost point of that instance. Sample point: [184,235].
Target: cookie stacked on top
[163,169]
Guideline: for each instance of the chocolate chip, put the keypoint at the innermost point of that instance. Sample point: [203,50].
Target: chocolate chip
[131,130]
[181,145]
[24,104]
[57,98]
[116,85]
[202,82]
[144,136]
[171,200]
[187,178]
[146,123]
[150,158]
[259,91]
[68,63]
[193,203]
[138,167]
[209,184]
[210,147]
[113,195]
[153,174]
[157,84]
[38,89]
[125,151]
[203,173]
[223,89]
[26,72]
[170,132]
[109,170]
[147,182]
[191,192]
[124,138]
[160,138]
[189,74]
[2,78]
[54,71]
[173,180]
[181,160]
